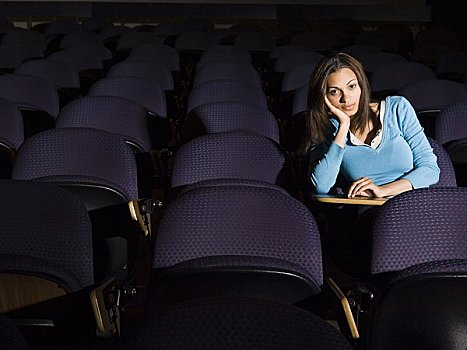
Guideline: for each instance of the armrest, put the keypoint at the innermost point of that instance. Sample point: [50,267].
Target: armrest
[143,211]
[346,307]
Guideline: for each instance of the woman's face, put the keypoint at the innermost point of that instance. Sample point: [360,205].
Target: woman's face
[343,91]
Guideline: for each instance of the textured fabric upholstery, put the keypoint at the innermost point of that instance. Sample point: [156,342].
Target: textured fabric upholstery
[245,73]
[11,132]
[45,231]
[154,73]
[235,154]
[111,113]
[228,116]
[447,176]
[148,94]
[395,76]
[451,123]
[240,221]
[79,155]
[420,226]
[31,92]
[225,90]
[236,323]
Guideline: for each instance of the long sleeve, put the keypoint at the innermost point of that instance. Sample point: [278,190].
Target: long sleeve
[324,174]
[425,170]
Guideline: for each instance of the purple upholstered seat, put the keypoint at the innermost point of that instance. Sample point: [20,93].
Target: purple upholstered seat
[450,123]
[428,97]
[251,237]
[447,176]
[47,232]
[111,113]
[37,99]
[419,267]
[372,61]
[132,39]
[235,323]
[97,165]
[294,59]
[420,226]
[11,132]
[297,76]
[148,70]
[245,73]
[60,74]
[228,116]
[82,61]
[395,76]
[225,90]
[147,94]
[234,154]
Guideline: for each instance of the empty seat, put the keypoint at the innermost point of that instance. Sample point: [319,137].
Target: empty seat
[418,272]
[11,135]
[37,99]
[245,73]
[225,90]
[111,113]
[393,77]
[235,241]
[233,154]
[235,323]
[142,91]
[428,97]
[228,116]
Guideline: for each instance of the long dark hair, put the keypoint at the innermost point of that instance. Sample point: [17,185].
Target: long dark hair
[318,125]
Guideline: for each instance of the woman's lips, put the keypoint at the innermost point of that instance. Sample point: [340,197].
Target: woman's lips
[349,107]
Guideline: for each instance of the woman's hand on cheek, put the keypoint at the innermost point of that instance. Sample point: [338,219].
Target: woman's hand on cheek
[340,115]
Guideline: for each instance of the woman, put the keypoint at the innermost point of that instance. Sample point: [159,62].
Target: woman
[378,148]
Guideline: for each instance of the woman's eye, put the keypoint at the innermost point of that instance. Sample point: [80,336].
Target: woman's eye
[352,86]
[333,92]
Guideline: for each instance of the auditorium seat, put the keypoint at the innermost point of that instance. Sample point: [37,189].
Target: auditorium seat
[222,90]
[415,295]
[235,323]
[100,168]
[235,240]
[48,286]
[232,154]
[37,99]
[62,75]
[393,77]
[428,97]
[11,135]
[228,116]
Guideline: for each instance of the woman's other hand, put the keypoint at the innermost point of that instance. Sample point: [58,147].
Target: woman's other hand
[364,187]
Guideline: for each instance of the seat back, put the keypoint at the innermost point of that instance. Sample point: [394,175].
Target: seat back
[428,97]
[393,77]
[225,90]
[229,116]
[249,237]
[146,93]
[111,113]
[46,243]
[96,165]
[227,324]
[419,226]
[234,154]
[447,175]
[450,123]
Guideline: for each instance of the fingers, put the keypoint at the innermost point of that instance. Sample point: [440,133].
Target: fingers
[361,187]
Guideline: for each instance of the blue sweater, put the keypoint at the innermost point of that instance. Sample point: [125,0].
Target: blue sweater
[404,153]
